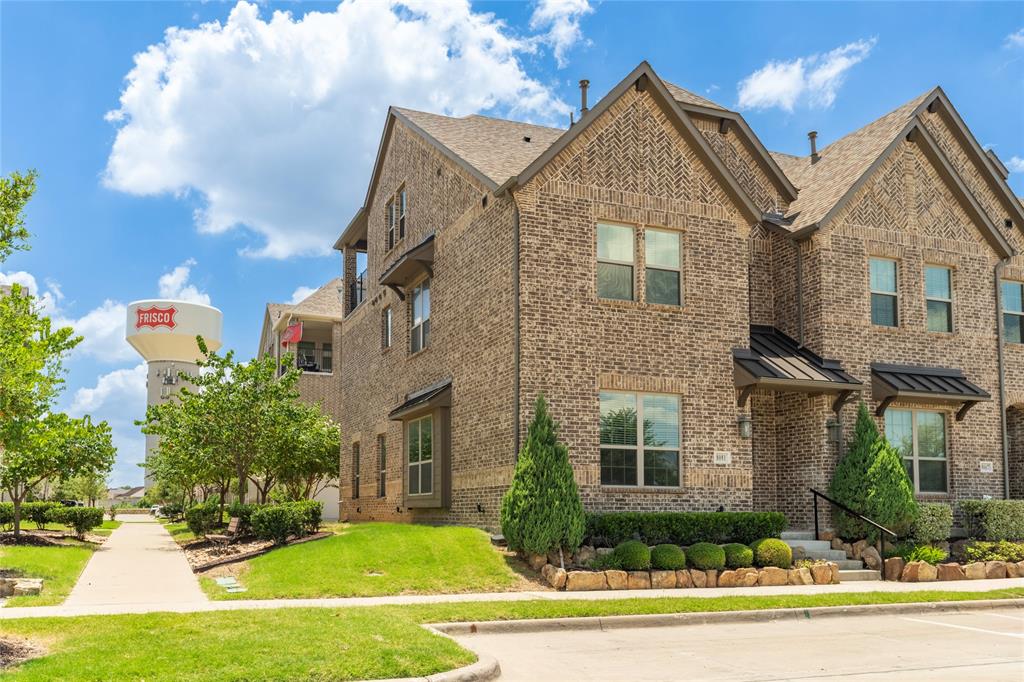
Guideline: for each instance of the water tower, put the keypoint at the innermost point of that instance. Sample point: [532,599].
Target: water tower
[164,333]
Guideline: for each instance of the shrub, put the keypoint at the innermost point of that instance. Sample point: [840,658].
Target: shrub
[172,511]
[683,528]
[605,562]
[276,522]
[310,514]
[243,512]
[80,519]
[633,555]
[871,479]
[6,515]
[738,555]
[202,518]
[705,556]
[668,557]
[1004,550]
[994,519]
[772,552]
[926,553]
[541,511]
[934,523]
[37,512]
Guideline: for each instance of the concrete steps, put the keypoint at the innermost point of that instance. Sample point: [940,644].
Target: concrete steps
[806,547]
[855,575]
[798,535]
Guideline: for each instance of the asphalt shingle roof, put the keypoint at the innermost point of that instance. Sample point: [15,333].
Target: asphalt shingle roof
[687,97]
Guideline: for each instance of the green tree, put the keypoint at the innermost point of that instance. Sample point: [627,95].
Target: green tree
[871,480]
[88,487]
[15,191]
[541,511]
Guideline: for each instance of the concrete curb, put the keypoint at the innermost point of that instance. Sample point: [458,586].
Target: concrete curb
[486,668]
[709,617]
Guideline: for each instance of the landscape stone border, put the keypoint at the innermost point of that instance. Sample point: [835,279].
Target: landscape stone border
[235,558]
[825,573]
[922,572]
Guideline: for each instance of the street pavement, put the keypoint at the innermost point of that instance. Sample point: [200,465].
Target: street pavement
[971,645]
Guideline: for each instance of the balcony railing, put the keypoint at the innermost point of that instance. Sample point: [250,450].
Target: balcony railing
[357,290]
[315,360]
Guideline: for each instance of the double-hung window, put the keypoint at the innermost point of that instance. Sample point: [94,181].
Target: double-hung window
[1013,312]
[385,328]
[402,206]
[884,292]
[663,271]
[391,220]
[355,471]
[382,465]
[420,455]
[420,333]
[938,294]
[326,357]
[633,455]
[920,437]
[615,258]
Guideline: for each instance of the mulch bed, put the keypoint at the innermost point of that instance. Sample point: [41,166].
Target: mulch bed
[203,555]
[48,538]
[15,651]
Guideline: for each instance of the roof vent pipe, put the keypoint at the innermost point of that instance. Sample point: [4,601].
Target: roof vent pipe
[813,137]
[584,84]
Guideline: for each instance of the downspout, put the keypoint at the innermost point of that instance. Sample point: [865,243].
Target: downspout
[516,341]
[1000,342]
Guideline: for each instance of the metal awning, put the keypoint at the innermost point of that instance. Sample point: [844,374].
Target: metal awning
[924,385]
[435,395]
[411,264]
[776,361]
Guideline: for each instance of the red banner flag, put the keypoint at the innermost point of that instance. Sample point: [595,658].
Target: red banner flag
[293,334]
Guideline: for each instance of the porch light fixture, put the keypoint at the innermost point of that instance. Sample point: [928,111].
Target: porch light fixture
[835,430]
[746,426]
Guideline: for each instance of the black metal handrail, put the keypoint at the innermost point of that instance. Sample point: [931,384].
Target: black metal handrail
[855,514]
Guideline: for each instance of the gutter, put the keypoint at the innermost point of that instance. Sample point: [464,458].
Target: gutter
[1000,354]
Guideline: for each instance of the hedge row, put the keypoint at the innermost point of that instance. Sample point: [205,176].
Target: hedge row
[994,519]
[275,522]
[683,528]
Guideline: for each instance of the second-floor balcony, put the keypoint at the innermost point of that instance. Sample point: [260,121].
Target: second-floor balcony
[313,358]
[357,290]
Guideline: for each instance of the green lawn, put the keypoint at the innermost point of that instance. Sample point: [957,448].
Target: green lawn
[371,559]
[179,531]
[58,566]
[336,644]
[105,529]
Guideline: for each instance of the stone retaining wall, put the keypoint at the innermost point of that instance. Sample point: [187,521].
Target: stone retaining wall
[922,572]
[575,581]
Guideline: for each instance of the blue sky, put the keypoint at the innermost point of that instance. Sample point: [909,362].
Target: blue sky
[222,164]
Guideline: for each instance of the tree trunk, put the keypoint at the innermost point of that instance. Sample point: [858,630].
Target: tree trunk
[16,499]
[243,481]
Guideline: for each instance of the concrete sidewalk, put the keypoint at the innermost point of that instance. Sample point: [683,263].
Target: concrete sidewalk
[138,564]
[198,605]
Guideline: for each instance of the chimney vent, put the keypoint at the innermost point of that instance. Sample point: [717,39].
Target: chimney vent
[526,138]
[813,137]
[584,84]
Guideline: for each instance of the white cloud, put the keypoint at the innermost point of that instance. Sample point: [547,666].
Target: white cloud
[561,21]
[301,293]
[275,122]
[811,81]
[102,331]
[174,285]
[47,301]
[1015,164]
[1015,39]
[119,397]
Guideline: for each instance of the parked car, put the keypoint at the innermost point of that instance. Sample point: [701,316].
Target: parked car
[155,510]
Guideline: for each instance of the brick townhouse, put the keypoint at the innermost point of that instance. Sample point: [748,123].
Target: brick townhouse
[654,264]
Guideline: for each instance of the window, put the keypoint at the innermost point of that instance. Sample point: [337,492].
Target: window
[390,219]
[420,317]
[305,356]
[385,330]
[1013,312]
[420,455]
[615,262]
[650,460]
[938,294]
[920,437]
[382,466]
[402,206]
[884,302]
[663,280]
[325,357]
[355,471]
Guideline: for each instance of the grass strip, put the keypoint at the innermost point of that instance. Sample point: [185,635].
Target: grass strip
[59,567]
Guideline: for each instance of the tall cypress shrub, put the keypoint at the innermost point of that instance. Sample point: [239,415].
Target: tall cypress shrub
[850,480]
[542,511]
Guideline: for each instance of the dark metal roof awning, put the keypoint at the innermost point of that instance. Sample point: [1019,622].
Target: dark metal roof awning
[412,263]
[924,385]
[777,362]
[436,395]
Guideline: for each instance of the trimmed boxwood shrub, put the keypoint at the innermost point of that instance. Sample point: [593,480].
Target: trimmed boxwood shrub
[276,522]
[37,512]
[683,528]
[243,512]
[772,552]
[934,523]
[310,514]
[1004,550]
[705,556]
[738,555]
[633,555]
[6,515]
[994,519]
[80,519]
[202,518]
[668,558]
